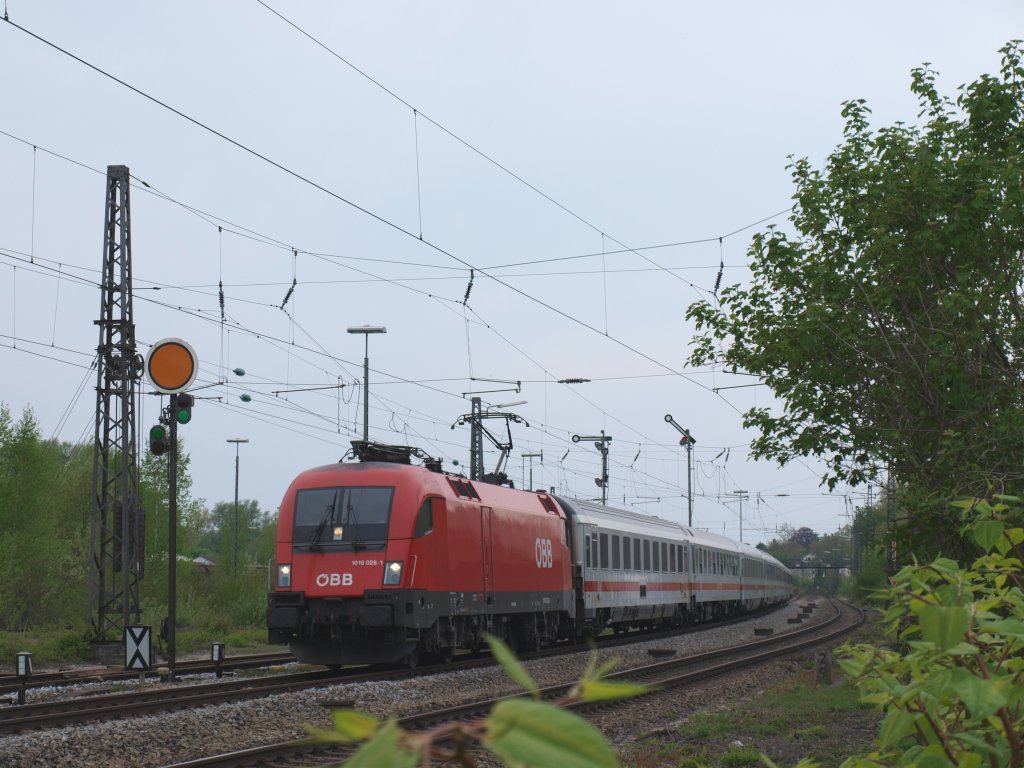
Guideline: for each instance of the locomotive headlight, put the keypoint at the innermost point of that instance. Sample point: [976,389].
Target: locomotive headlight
[393,572]
[284,575]
[339,533]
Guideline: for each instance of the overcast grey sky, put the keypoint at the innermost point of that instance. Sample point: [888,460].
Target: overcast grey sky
[628,125]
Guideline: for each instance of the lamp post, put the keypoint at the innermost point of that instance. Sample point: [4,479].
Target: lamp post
[234,549]
[366,330]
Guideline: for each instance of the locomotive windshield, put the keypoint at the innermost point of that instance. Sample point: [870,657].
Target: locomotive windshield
[342,518]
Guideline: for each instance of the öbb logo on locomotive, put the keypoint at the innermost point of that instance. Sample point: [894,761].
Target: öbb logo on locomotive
[334,580]
[443,559]
[543,553]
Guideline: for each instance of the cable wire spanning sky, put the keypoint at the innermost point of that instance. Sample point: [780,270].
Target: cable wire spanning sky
[521,194]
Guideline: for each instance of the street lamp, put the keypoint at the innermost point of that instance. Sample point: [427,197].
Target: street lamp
[234,549]
[366,330]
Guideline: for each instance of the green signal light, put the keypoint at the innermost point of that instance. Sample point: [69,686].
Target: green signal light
[158,440]
[181,407]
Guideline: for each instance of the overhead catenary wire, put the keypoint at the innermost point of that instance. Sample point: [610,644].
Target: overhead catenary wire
[605,329]
[377,217]
[470,146]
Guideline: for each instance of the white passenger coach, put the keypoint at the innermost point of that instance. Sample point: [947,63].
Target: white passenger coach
[635,570]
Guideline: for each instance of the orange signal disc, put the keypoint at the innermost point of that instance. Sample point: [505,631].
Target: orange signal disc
[171,365]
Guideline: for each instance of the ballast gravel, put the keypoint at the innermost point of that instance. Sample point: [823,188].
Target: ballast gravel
[162,739]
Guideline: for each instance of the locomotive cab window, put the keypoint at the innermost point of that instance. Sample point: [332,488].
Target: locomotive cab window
[425,519]
[342,518]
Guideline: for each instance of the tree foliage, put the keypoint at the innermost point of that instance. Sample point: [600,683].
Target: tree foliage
[45,538]
[45,493]
[804,537]
[888,324]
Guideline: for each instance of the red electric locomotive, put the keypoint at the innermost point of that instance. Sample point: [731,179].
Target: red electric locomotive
[381,561]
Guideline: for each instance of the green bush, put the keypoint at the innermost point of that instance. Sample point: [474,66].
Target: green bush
[954,695]
[519,732]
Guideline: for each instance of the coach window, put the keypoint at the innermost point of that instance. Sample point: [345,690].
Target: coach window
[657,566]
[616,554]
[636,555]
[586,548]
[700,553]
[604,551]
[647,555]
[672,558]
[664,556]
[627,562]
[593,551]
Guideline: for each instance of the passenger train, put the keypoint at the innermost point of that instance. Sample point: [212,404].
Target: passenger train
[384,561]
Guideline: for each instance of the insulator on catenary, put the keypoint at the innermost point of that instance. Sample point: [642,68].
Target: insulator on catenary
[289,294]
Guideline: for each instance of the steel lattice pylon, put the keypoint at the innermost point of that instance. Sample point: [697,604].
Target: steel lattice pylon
[115,566]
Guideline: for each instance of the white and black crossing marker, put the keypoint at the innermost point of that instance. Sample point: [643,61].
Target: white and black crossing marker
[138,648]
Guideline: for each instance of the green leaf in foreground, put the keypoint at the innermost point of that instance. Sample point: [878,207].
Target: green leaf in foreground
[511,664]
[606,690]
[943,626]
[986,533]
[523,732]
[982,697]
[355,725]
[383,750]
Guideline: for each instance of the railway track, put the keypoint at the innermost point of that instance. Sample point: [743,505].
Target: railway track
[665,675]
[110,706]
[10,683]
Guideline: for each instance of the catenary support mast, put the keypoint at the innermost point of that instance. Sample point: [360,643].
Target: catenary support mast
[115,565]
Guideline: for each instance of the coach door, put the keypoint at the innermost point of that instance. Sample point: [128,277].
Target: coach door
[487,545]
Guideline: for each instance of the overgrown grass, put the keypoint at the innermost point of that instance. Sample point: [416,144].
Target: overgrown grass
[211,607]
[790,721]
[46,646]
[55,647]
